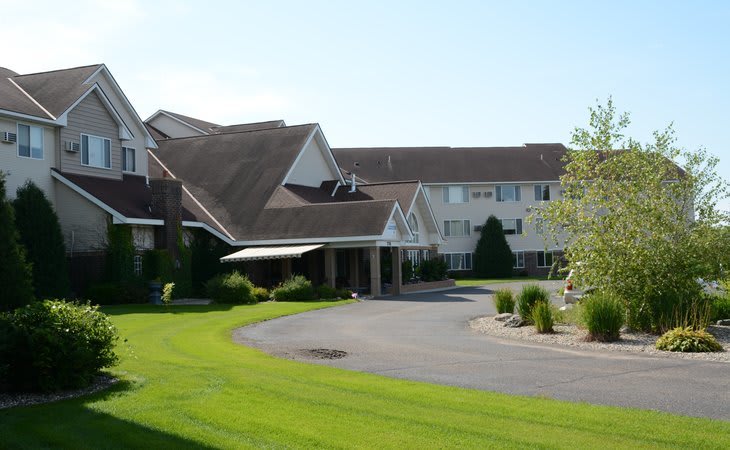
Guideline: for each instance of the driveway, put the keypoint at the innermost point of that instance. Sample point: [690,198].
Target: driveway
[426,337]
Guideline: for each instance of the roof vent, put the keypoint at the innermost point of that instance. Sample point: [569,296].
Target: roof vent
[8,137]
[353,183]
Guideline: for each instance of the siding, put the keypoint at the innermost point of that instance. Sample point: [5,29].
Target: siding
[312,168]
[91,117]
[83,224]
[18,170]
[172,127]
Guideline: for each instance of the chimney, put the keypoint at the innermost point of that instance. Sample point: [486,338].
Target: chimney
[167,205]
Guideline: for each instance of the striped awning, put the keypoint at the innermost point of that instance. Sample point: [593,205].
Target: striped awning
[256,253]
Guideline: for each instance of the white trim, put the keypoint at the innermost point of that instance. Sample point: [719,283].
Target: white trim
[132,221]
[404,221]
[88,196]
[333,162]
[31,98]
[314,240]
[159,111]
[209,229]
[22,116]
[81,151]
[430,210]
[487,183]
[230,236]
[334,191]
[124,131]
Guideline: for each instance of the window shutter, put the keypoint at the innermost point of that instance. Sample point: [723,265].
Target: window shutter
[518,226]
[447,228]
[446,194]
[538,192]
[467,228]
[107,153]
[464,194]
[499,193]
[85,150]
[468,261]
[518,193]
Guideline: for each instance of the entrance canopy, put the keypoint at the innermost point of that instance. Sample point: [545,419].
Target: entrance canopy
[256,253]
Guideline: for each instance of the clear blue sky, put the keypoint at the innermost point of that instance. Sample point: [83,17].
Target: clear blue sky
[412,73]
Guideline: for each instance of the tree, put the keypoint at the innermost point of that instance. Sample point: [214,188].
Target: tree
[493,257]
[40,234]
[15,273]
[634,221]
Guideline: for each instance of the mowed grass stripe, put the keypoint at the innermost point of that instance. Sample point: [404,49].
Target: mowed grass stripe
[188,385]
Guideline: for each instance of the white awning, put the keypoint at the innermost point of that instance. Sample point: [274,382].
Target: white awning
[284,251]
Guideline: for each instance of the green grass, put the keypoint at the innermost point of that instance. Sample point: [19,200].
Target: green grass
[483,281]
[187,385]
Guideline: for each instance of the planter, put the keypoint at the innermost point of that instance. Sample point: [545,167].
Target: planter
[155,295]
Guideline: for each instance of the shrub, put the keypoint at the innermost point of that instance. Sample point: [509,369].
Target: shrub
[40,234]
[230,288]
[261,294]
[504,301]
[603,315]
[15,273]
[493,256]
[542,316]
[53,345]
[407,271]
[433,269]
[721,307]
[117,293]
[295,289]
[344,293]
[167,293]
[530,294]
[688,340]
[325,291]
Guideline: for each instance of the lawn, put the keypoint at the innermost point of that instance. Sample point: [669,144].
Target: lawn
[483,281]
[187,385]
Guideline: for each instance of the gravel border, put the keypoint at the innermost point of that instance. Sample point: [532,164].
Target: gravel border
[11,400]
[573,337]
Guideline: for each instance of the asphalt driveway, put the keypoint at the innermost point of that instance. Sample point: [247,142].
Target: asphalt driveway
[426,337]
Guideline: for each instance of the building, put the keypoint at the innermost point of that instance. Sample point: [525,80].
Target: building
[467,185]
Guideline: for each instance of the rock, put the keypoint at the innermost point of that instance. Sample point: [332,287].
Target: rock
[514,322]
[503,317]
[724,322]
[567,307]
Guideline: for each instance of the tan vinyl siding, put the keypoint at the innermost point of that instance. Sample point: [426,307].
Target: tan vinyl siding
[91,117]
[18,170]
[83,224]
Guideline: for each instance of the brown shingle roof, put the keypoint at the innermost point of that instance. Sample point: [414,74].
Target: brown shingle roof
[156,134]
[13,99]
[531,162]
[57,90]
[248,126]
[197,123]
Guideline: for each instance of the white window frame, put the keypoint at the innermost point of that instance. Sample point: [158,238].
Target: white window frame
[499,193]
[81,155]
[516,255]
[544,252]
[541,195]
[466,262]
[413,224]
[465,226]
[30,143]
[518,226]
[125,164]
[137,265]
[447,195]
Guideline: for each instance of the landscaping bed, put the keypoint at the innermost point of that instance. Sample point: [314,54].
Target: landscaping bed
[574,337]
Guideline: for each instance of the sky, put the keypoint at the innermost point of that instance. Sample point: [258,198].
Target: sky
[401,73]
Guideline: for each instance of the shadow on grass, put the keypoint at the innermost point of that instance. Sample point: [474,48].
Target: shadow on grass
[74,424]
[118,310]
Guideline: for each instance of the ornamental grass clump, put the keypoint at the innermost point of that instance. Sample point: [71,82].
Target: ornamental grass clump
[504,301]
[603,315]
[295,289]
[542,316]
[530,294]
[685,339]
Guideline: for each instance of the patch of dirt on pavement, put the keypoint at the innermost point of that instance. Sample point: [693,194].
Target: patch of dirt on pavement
[322,353]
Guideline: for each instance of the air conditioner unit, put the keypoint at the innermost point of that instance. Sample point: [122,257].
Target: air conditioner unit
[478,228]
[488,194]
[8,137]
[71,146]
[476,194]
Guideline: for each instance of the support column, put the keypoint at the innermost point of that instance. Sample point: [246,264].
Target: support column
[330,266]
[285,268]
[374,271]
[396,275]
[354,268]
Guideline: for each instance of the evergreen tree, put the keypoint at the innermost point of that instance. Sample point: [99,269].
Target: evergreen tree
[15,273]
[40,234]
[493,257]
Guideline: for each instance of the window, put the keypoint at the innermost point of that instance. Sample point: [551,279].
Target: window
[96,151]
[457,228]
[518,260]
[138,265]
[542,192]
[456,194]
[540,226]
[413,223]
[128,162]
[30,141]
[544,259]
[458,261]
[509,193]
[512,226]
[414,256]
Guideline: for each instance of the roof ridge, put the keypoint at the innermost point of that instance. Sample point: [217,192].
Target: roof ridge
[58,70]
[251,123]
[238,132]
[389,182]
[348,202]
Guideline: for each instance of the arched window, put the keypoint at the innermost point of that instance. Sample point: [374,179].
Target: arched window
[413,223]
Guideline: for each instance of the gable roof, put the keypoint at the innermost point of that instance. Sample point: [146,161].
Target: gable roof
[197,123]
[530,162]
[248,126]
